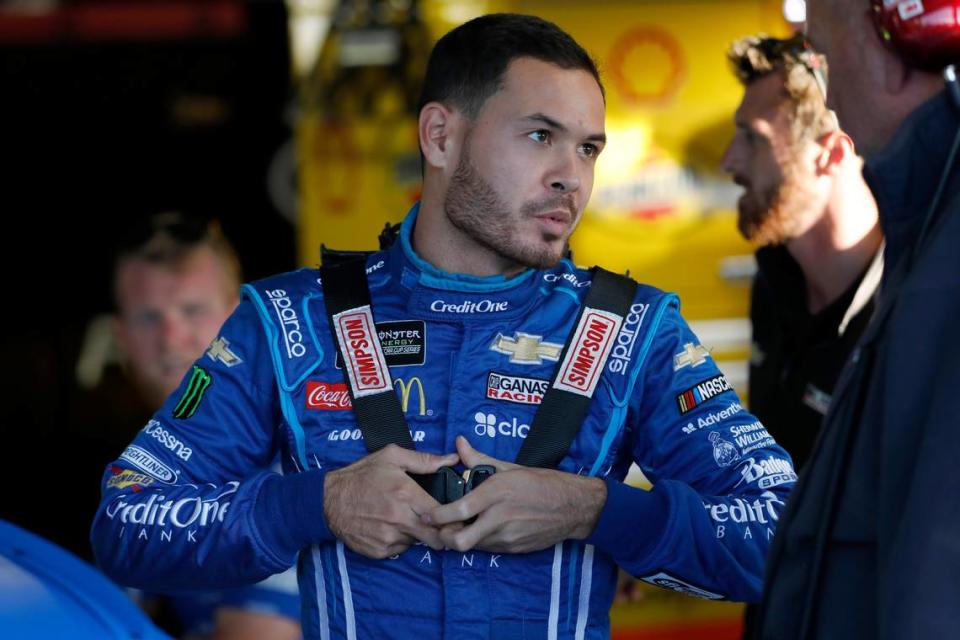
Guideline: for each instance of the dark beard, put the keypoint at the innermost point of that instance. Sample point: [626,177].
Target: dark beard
[475,208]
[773,217]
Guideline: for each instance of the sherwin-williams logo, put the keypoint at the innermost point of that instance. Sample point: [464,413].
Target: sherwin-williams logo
[516,388]
[328,396]
[220,350]
[469,306]
[588,352]
[200,381]
[700,393]
[365,364]
[526,348]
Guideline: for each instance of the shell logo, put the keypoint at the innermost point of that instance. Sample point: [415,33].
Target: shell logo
[646,65]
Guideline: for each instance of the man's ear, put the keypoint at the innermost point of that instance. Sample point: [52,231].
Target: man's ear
[835,148]
[437,129]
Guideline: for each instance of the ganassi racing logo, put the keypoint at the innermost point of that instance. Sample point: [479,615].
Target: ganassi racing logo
[519,389]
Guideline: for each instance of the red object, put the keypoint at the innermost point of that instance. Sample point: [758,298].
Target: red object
[330,396]
[926,33]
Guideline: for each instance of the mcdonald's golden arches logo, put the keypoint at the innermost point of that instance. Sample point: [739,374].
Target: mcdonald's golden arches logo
[405,388]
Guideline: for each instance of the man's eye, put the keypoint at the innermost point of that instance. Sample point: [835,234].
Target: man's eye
[589,150]
[540,135]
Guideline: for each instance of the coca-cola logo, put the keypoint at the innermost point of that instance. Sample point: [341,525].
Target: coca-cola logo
[328,396]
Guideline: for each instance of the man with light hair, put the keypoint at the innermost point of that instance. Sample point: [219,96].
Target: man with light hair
[868,545]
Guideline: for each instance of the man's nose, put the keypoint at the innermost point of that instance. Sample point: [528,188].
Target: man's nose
[564,176]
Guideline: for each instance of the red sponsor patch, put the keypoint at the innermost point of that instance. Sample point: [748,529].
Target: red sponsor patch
[328,396]
[591,344]
[366,366]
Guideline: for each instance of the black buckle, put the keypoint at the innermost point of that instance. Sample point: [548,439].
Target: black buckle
[446,485]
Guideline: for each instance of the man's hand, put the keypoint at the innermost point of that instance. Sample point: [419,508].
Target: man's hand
[519,509]
[375,507]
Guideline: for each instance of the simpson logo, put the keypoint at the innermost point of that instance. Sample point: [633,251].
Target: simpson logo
[328,396]
[144,461]
[591,344]
[700,393]
[516,388]
[667,581]
[366,366]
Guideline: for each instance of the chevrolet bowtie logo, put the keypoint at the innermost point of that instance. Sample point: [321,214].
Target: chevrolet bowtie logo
[524,348]
[691,356]
[220,350]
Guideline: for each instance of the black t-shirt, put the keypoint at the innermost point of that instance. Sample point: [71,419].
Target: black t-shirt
[796,356]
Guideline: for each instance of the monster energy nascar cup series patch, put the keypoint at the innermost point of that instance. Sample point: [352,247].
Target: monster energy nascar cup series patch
[190,400]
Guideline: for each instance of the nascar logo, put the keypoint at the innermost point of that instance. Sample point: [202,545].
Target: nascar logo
[696,395]
[592,342]
[358,339]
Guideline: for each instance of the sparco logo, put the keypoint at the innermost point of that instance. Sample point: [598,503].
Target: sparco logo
[480,306]
[361,348]
[330,396]
[146,462]
[623,346]
[182,513]
[516,388]
[155,430]
[767,473]
[591,344]
[487,424]
[292,334]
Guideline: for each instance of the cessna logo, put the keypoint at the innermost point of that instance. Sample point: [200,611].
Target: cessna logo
[365,364]
[691,356]
[525,348]
[219,350]
[588,352]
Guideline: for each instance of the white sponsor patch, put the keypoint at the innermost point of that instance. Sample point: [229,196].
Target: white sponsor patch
[365,362]
[591,344]
[519,389]
[145,461]
[667,581]
[910,9]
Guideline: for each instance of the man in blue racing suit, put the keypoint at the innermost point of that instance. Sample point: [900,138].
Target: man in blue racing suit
[472,305]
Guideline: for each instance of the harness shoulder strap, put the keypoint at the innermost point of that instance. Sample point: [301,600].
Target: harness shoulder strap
[350,314]
[582,362]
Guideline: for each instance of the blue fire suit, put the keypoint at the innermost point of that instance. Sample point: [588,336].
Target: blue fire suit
[183,507]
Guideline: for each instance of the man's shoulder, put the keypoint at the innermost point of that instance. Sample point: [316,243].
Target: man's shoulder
[297,283]
[568,278]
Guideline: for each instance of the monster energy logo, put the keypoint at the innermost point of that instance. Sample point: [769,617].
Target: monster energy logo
[199,383]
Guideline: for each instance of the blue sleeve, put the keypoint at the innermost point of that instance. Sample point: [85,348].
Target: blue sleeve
[192,502]
[719,479]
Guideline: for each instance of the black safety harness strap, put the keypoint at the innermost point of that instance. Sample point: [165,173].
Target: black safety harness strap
[564,406]
[582,362]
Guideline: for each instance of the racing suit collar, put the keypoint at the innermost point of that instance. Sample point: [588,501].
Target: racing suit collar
[442,295]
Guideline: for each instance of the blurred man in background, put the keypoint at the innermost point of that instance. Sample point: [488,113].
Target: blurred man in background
[820,262]
[868,546]
[176,281]
[821,259]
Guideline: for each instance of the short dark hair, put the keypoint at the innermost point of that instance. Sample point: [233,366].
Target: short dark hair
[467,64]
